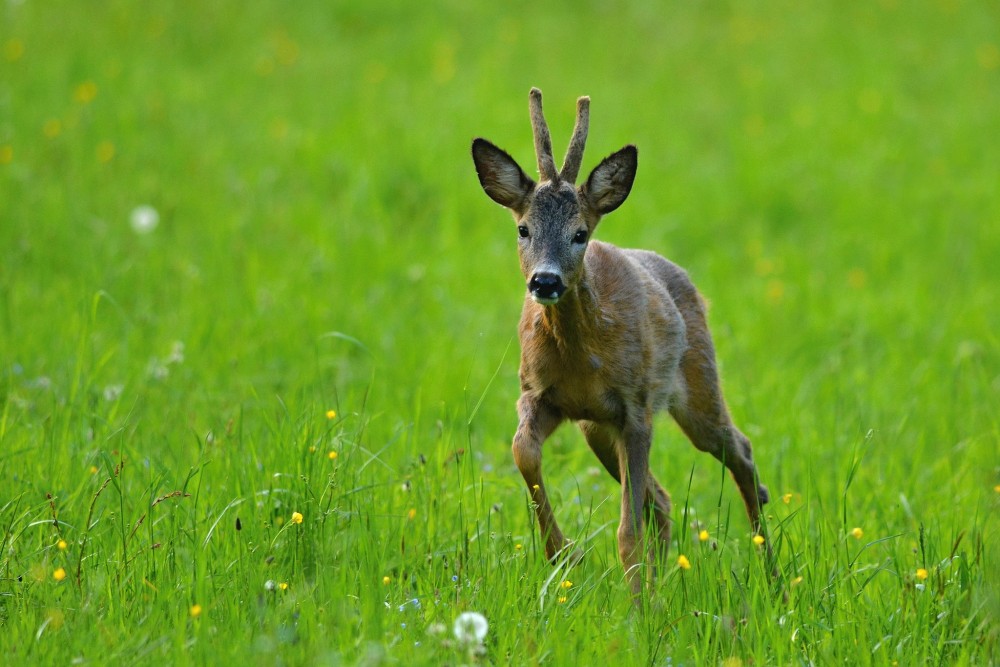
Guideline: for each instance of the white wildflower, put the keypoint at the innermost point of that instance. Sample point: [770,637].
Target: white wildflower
[144,219]
[471,627]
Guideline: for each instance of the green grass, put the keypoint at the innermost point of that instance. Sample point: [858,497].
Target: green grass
[826,171]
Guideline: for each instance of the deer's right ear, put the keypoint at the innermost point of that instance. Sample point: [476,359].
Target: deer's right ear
[501,177]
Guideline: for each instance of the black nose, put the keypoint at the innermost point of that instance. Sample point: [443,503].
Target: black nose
[546,286]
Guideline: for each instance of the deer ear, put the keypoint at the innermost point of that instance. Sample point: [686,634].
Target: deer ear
[501,177]
[608,185]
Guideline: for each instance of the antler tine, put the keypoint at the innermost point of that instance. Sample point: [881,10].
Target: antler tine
[543,142]
[574,154]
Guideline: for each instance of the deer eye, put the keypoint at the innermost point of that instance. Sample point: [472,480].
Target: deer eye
[522,231]
[580,236]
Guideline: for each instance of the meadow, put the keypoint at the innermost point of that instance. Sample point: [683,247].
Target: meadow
[258,355]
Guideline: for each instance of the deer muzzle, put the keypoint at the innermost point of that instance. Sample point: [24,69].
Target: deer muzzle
[546,288]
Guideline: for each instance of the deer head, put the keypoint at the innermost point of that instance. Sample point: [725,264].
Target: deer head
[555,218]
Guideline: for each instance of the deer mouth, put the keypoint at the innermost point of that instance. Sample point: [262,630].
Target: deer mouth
[545,300]
[547,295]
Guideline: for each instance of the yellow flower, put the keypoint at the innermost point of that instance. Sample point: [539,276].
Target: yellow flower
[52,128]
[787,498]
[535,487]
[13,49]
[297,517]
[331,414]
[61,544]
[412,514]
[333,454]
[312,449]
[386,580]
[921,574]
[703,535]
[518,547]
[683,562]
[562,600]
[85,92]
[195,610]
[857,533]
[59,574]
[997,488]
[283,585]
[758,540]
[796,581]
[105,152]
[567,584]
[93,470]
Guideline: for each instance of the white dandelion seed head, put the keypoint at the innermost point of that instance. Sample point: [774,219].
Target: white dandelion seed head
[176,355]
[113,392]
[144,219]
[471,627]
[269,585]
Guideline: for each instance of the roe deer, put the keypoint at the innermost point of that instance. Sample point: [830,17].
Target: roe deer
[608,337]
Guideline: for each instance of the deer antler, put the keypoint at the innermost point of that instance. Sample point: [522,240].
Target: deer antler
[574,154]
[543,142]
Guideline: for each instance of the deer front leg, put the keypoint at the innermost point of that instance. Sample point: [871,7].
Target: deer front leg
[633,458]
[604,443]
[537,421]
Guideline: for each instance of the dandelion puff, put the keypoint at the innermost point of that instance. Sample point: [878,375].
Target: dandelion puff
[176,355]
[269,585]
[144,219]
[471,627]
[113,392]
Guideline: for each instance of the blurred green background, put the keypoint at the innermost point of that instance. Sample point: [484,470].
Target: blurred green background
[827,172]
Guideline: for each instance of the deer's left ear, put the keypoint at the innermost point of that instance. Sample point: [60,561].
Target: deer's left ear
[608,185]
[501,177]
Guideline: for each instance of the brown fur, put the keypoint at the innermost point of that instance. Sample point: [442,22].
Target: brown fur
[626,338]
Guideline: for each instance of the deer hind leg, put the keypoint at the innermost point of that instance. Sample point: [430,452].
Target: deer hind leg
[705,420]
[537,422]
[603,443]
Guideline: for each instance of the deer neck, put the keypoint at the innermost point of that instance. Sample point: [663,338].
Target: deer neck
[572,322]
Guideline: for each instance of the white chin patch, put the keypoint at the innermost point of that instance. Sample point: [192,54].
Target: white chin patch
[545,302]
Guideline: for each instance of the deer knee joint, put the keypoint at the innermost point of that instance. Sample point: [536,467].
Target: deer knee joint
[527,454]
